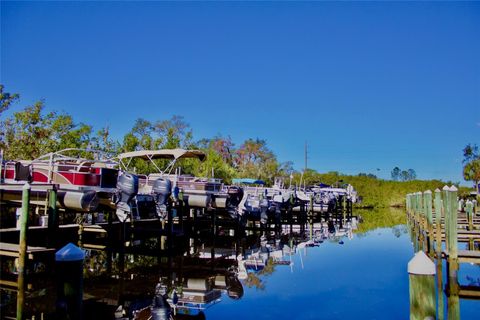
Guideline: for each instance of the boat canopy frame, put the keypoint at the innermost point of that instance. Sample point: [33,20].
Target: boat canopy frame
[60,155]
[150,155]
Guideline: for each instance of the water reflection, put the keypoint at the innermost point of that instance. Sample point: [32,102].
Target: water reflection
[199,270]
[353,270]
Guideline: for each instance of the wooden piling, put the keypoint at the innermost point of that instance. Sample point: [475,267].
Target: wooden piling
[52,217]
[452,234]
[441,303]
[438,222]
[469,210]
[453,303]
[446,209]
[22,255]
[427,206]
[421,221]
[421,274]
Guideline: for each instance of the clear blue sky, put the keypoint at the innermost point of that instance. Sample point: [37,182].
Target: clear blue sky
[368,85]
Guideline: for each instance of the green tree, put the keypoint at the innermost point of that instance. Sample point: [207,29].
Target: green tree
[30,133]
[103,142]
[471,168]
[253,159]
[174,133]
[412,175]
[6,99]
[214,166]
[396,174]
[471,172]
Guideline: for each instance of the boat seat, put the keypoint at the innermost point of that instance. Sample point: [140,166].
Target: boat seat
[23,173]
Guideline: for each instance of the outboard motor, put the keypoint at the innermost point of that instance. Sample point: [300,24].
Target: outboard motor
[234,287]
[127,189]
[160,309]
[331,227]
[235,195]
[278,205]
[263,211]
[162,189]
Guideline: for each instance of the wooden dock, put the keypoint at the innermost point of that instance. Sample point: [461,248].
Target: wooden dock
[437,224]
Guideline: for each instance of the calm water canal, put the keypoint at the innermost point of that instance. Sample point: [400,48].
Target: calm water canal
[360,274]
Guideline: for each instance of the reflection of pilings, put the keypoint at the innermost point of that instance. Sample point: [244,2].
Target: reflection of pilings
[441,305]
[421,276]
[453,305]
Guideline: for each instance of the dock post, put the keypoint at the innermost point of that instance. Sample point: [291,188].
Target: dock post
[427,201]
[438,250]
[421,274]
[469,210]
[69,262]
[52,217]
[438,222]
[22,255]
[413,220]
[407,203]
[441,303]
[446,219]
[452,234]
[420,220]
[453,303]
[80,233]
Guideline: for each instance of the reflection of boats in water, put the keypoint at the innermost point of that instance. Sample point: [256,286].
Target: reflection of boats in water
[208,268]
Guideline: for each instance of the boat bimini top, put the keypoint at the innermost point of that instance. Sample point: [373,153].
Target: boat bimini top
[125,159]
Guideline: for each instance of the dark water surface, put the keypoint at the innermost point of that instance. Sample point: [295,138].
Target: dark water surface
[361,274]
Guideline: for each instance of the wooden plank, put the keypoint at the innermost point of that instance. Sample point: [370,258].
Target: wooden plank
[94,228]
[12,250]
[469,292]
[94,246]
[466,256]
[7,283]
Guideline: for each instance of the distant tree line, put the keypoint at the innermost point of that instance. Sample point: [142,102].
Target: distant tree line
[403,175]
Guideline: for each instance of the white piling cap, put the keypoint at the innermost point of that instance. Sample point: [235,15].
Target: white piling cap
[26,186]
[453,188]
[428,192]
[445,188]
[438,190]
[421,265]
[70,253]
